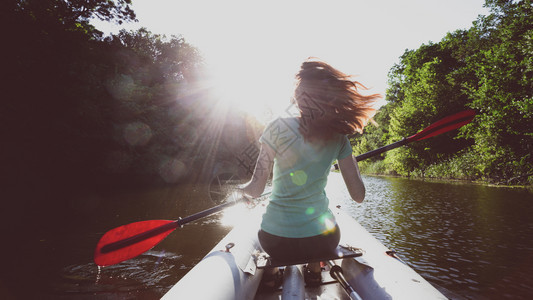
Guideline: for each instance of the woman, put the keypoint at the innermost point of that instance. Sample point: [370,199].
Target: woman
[297,223]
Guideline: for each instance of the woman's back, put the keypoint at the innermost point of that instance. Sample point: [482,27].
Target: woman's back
[298,205]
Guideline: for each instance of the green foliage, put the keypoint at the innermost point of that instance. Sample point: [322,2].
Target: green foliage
[76,12]
[487,67]
[375,135]
[83,108]
[376,167]
[503,92]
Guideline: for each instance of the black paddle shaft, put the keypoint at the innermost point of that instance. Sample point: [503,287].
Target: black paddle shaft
[382,149]
[182,221]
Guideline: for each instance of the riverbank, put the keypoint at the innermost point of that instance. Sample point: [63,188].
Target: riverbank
[445,173]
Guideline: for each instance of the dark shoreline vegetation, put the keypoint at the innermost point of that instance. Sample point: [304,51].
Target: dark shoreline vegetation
[452,181]
[85,111]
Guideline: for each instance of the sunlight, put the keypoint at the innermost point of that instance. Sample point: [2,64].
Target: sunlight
[243,212]
[263,88]
[260,90]
[237,93]
[233,215]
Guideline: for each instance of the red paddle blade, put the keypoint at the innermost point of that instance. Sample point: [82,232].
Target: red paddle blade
[131,240]
[444,125]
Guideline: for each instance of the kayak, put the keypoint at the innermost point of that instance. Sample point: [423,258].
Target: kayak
[231,270]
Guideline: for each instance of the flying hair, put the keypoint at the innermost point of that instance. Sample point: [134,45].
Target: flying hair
[330,103]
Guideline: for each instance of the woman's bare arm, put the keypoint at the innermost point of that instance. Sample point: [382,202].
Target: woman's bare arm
[352,178]
[255,187]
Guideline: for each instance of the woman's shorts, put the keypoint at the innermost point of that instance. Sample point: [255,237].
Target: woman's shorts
[292,249]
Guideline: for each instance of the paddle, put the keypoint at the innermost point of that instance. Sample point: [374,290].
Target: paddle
[131,240]
[446,124]
[128,241]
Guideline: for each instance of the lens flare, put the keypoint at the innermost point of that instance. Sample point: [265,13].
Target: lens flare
[310,211]
[137,134]
[328,223]
[172,170]
[299,177]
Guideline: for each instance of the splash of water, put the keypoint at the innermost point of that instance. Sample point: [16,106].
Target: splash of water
[98,275]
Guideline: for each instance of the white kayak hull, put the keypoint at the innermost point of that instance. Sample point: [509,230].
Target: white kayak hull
[233,275]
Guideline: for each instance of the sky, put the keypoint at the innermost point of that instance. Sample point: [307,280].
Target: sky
[254,48]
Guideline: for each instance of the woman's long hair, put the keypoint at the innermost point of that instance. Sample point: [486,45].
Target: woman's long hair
[329,102]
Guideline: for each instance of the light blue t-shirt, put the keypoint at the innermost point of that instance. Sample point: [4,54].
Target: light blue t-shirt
[298,205]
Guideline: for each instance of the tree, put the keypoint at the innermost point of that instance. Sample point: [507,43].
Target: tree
[487,67]
[424,89]
[71,12]
[503,92]
[72,97]
[170,60]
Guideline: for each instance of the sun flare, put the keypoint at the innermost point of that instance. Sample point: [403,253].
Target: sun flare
[233,215]
[260,92]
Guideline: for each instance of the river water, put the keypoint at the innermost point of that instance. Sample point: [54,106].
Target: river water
[470,241]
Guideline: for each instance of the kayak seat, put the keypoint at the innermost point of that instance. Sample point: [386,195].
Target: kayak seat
[263,260]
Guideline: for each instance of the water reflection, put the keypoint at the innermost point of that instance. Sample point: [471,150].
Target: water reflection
[474,240]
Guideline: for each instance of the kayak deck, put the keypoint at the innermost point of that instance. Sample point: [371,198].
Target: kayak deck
[229,271]
[293,284]
[262,260]
[293,287]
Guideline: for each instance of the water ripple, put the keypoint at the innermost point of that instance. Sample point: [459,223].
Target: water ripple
[465,238]
[146,276]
